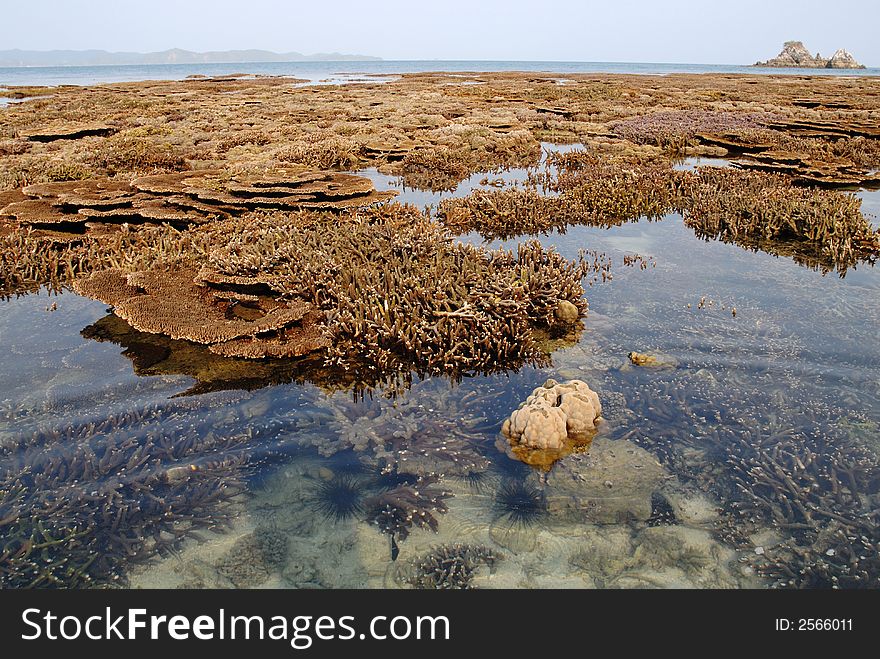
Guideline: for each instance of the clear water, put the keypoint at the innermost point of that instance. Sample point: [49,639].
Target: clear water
[317,71]
[800,353]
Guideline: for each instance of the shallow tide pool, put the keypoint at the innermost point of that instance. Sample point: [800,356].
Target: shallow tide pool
[758,359]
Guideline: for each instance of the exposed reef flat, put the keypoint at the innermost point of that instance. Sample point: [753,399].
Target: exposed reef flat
[227,195]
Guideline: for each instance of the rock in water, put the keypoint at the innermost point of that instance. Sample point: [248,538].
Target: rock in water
[842,59]
[554,420]
[567,313]
[795,54]
[611,484]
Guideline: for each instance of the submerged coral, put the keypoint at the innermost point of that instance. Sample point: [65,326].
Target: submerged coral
[396,511]
[823,495]
[254,557]
[431,428]
[80,503]
[449,567]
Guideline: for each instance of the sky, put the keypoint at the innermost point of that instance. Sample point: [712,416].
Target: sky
[676,31]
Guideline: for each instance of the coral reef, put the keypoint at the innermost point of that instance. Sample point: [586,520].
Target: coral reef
[396,511]
[822,494]
[676,129]
[253,558]
[398,293]
[767,212]
[79,503]
[432,428]
[597,189]
[615,482]
[183,198]
[156,354]
[553,421]
[449,567]
[168,301]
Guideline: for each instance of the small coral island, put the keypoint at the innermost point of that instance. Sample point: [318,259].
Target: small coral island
[795,55]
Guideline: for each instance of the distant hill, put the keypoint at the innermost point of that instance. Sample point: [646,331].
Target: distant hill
[17,57]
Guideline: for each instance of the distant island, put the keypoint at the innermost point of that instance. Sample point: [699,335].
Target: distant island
[15,58]
[795,54]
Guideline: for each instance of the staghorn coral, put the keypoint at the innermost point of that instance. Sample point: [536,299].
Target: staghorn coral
[81,502]
[449,567]
[408,436]
[768,212]
[396,511]
[434,168]
[823,495]
[398,292]
[30,259]
[323,150]
[588,188]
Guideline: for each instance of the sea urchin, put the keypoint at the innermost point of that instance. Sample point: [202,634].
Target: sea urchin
[520,503]
[338,498]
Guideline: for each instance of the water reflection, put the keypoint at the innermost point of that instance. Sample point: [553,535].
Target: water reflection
[157,354]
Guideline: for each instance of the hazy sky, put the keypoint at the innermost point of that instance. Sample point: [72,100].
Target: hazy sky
[683,31]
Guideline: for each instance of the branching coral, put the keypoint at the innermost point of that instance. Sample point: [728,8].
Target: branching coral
[396,511]
[763,211]
[823,495]
[397,291]
[449,567]
[431,428]
[78,504]
[590,188]
[679,128]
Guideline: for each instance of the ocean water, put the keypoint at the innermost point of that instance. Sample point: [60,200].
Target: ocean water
[758,355]
[352,71]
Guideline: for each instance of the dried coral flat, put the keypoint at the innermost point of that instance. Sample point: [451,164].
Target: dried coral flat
[435,126]
[232,202]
